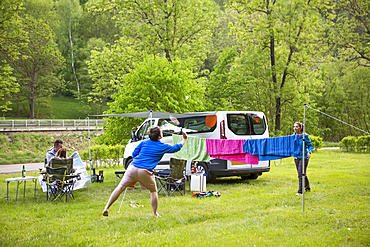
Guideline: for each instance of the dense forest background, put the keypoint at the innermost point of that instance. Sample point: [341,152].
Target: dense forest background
[190,55]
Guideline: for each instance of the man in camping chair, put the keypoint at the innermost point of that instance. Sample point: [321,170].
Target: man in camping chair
[60,178]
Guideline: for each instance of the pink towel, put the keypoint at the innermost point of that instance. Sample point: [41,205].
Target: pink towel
[230,149]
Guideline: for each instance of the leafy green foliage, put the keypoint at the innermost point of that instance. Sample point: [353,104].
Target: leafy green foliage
[69,16]
[104,154]
[35,71]
[272,72]
[12,38]
[343,94]
[8,86]
[348,142]
[349,31]
[108,66]
[12,34]
[220,91]
[316,142]
[270,56]
[176,29]
[154,84]
[362,143]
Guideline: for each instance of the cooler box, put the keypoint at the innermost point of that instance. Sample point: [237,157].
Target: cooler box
[198,182]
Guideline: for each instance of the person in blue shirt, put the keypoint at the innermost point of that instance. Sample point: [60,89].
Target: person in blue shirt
[146,157]
[298,159]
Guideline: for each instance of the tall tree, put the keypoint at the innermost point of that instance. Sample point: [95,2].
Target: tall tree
[285,33]
[343,94]
[107,67]
[349,31]
[35,71]
[154,84]
[176,28]
[70,14]
[12,38]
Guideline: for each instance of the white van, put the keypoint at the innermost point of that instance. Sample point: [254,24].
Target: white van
[212,125]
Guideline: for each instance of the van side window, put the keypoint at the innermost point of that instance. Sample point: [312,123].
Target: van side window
[246,124]
[258,124]
[197,124]
[168,128]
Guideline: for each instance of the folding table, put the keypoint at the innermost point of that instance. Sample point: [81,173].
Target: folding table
[19,180]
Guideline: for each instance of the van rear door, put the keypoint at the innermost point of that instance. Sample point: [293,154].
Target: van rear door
[250,125]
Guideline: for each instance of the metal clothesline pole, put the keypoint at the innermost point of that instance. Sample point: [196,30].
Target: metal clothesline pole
[88,127]
[303,153]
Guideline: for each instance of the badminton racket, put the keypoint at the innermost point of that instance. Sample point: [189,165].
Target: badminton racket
[175,121]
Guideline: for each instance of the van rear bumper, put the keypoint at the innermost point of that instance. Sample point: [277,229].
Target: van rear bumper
[238,172]
[218,168]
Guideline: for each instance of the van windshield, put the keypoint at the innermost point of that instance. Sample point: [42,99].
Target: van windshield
[246,124]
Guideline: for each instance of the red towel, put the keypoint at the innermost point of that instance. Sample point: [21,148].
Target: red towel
[230,149]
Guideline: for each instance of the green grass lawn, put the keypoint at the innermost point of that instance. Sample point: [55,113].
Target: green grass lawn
[262,212]
[59,107]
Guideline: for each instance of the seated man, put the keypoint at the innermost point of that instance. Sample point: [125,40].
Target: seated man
[58,144]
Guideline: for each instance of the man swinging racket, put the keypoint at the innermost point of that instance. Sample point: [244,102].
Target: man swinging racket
[146,157]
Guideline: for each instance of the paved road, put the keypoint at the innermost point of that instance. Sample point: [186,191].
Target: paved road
[18,167]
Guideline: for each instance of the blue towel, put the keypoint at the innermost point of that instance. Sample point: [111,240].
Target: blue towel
[273,148]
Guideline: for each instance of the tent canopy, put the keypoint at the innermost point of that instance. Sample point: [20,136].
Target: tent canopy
[156,114]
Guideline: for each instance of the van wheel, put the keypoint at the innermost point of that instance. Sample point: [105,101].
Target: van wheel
[251,176]
[201,167]
[128,163]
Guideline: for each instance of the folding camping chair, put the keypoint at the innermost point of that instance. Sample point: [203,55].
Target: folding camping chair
[174,180]
[60,181]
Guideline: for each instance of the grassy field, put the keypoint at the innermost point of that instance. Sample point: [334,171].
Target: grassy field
[58,107]
[17,148]
[262,212]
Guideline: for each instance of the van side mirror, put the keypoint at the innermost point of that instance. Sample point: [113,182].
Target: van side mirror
[133,136]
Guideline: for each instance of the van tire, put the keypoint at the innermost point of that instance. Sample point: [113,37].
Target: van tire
[128,163]
[202,167]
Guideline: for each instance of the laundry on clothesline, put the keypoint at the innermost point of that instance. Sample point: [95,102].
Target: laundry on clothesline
[249,151]
[194,149]
[273,148]
[230,149]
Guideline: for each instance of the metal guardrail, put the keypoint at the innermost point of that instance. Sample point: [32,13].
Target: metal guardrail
[35,123]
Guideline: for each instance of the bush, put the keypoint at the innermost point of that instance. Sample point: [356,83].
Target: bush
[316,142]
[363,143]
[104,154]
[348,142]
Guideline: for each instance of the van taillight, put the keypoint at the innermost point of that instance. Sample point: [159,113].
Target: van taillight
[222,130]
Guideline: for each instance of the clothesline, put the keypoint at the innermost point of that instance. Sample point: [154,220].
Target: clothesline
[250,151]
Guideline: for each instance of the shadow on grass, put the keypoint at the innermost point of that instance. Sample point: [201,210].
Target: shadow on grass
[235,180]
